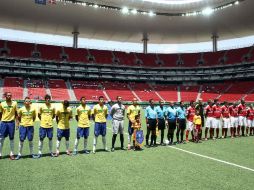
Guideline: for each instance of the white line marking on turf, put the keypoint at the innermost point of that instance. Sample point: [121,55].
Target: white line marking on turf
[214,159]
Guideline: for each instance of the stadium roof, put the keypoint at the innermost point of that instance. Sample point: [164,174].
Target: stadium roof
[107,24]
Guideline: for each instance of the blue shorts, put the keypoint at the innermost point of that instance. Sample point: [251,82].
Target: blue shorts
[7,128]
[63,133]
[26,132]
[130,129]
[100,129]
[82,132]
[43,132]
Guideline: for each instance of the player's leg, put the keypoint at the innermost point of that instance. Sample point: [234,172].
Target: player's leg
[76,143]
[58,141]
[42,135]
[86,135]
[103,133]
[50,137]
[148,131]
[96,134]
[3,134]
[30,136]
[11,133]
[161,128]
[182,129]
[115,129]
[67,141]
[130,132]
[121,130]
[22,137]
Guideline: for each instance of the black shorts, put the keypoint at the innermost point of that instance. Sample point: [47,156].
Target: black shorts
[171,124]
[182,124]
[152,124]
[161,124]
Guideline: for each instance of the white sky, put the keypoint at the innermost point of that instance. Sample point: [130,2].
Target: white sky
[21,36]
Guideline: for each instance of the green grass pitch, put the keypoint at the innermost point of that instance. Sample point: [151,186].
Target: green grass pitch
[152,168]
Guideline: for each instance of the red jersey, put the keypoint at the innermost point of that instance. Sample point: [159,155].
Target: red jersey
[242,110]
[250,114]
[225,111]
[190,113]
[216,111]
[208,111]
[233,111]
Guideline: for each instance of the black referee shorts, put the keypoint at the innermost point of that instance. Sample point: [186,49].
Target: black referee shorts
[152,124]
[182,124]
[161,124]
[171,124]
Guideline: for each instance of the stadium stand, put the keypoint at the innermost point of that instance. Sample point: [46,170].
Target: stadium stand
[49,52]
[189,93]
[90,89]
[148,60]
[58,89]
[125,58]
[169,60]
[14,85]
[20,50]
[76,55]
[167,92]
[213,58]
[36,89]
[212,91]
[102,56]
[144,91]
[190,59]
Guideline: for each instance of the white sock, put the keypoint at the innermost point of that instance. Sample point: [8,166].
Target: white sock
[50,146]
[104,142]
[67,145]
[40,146]
[12,147]
[20,148]
[76,144]
[85,144]
[94,143]
[31,147]
[1,145]
[57,146]
[129,139]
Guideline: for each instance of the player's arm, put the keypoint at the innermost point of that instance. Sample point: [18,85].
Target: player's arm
[34,115]
[70,117]
[112,111]
[39,113]
[1,110]
[77,118]
[54,113]
[57,117]
[18,118]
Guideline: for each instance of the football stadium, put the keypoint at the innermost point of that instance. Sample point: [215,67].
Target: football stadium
[126,94]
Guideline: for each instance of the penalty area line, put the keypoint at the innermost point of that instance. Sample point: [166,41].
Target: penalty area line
[211,158]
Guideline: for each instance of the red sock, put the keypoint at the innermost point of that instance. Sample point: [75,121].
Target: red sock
[187,134]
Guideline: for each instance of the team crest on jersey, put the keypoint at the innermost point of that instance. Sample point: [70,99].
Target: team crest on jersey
[139,137]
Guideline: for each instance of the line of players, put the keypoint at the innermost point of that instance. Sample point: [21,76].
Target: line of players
[234,117]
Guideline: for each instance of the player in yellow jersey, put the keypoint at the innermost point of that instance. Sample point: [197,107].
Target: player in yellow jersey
[83,117]
[197,120]
[26,116]
[46,115]
[100,114]
[63,116]
[132,111]
[8,115]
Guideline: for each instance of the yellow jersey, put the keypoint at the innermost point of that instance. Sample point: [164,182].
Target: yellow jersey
[83,113]
[197,120]
[27,116]
[100,113]
[8,110]
[64,116]
[47,113]
[132,111]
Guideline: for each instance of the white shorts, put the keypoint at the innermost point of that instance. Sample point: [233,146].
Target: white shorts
[250,123]
[118,126]
[242,121]
[209,122]
[234,122]
[190,126]
[216,123]
[226,123]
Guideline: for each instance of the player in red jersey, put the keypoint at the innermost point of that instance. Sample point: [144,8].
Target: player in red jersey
[233,110]
[242,113]
[250,120]
[209,119]
[190,115]
[225,119]
[217,117]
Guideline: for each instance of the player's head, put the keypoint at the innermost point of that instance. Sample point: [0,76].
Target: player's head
[119,99]
[210,102]
[171,103]
[101,100]
[161,103]
[137,118]
[27,101]
[226,103]
[251,106]
[197,112]
[135,101]
[192,103]
[47,98]
[83,100]
[66,103]
[151,102]
[242,101]
[181,103]
[235,104]
[8,96]
[200,101]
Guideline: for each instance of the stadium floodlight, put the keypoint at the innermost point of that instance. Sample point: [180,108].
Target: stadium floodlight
[236,3]
[207,11]
[151,13]
[95,6]
[125,10]
[134,11]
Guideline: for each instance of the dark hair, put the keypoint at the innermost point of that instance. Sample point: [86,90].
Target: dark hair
[47,96]
[192,102]
[27,97]
[66,103]
[82,98]
[150,100]
[100,97]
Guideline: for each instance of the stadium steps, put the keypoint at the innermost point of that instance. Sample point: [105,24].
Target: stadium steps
[151,86]
[25,91]
[226,90]
[1,89]
[106,95]
[132,91]
[70,91]
[178,93]
[199,92]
